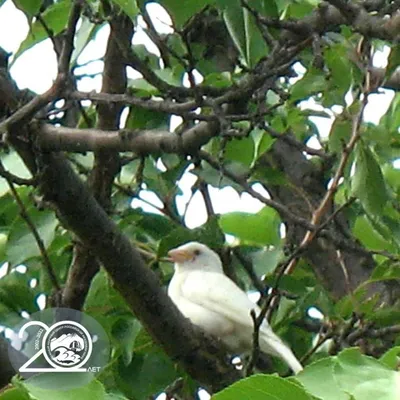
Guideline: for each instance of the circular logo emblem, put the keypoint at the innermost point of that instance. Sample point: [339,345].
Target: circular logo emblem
[67,344]
[59,340]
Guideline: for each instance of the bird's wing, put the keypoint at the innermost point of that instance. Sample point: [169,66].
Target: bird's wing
[217,293]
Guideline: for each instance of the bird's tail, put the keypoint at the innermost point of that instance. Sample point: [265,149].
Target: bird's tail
[272,344]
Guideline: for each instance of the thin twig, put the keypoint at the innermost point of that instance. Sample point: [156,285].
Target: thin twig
[322,338]
[294,142]
[367,331]
[324,205]
[25,216]
[245,185]
[283,210]
[257,321]
[68,40]
[8,176]
[247,265]
[268,38]
[203,189]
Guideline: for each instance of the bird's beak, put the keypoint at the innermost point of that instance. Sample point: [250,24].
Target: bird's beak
[179,256]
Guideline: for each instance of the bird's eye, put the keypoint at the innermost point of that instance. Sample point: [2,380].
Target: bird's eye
[197,252]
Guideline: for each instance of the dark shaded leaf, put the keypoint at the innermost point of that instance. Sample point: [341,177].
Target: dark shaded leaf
[368,183]
[210,234]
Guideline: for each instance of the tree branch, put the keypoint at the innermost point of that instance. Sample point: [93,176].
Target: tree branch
[202,357]
[139,141]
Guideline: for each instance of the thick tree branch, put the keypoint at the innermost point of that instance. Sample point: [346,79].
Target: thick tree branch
[107,163]
[200,356]
[139,141]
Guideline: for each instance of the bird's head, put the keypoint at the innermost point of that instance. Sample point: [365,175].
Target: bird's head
[195,255]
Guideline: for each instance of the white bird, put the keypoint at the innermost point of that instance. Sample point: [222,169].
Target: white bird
[216,304]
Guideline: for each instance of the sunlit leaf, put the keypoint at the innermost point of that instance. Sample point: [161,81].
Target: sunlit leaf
[180,14]
[55,18]
[263,387]
[29,7]
[129,7]
[366,378]
[21,243]
[261,228]
[311,83]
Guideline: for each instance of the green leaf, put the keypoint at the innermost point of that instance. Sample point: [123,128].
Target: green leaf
[319,380]
[84,35]
[269,8]
[210,234]
[391,358]
[12,162]
[391,120]
[218,80]
[55,17]
[141,87]
[266,260]
[115,396]
[299,9]
[256,47]
[386,271]
[244,30]
[146,56]
[369,237]
[216,178]
[180,12]
[366,378]
[233,18]
[261,228]
[125,331]
[263,141]
[240,150]
[146,119]
[47,387]
[153,225]
[392,177]
[129,7]
[340,68]
[393,60]
[290,283]
[263,387]
[146,375]
[29,7]
[382,317]
[368,183]
[339,134]
[312,82]
[104,303]
[21,243]
[14,394]
[172,76]
[16,294]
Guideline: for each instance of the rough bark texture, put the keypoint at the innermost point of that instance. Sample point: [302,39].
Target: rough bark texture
[302,196]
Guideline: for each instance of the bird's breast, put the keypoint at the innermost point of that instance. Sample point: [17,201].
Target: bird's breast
[213,323]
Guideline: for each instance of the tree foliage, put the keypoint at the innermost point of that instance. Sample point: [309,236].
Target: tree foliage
[237,94]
